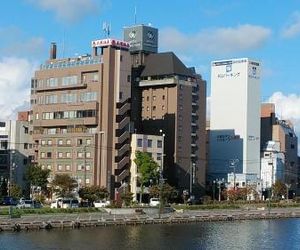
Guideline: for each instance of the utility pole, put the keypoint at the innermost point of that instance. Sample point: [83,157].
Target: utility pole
[161,180]
[191,179]
[288,186]
[219,186]
[84,151]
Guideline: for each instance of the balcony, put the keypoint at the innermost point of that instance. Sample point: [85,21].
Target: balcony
[60,87]
[122,138]
[122,175]
[122,163]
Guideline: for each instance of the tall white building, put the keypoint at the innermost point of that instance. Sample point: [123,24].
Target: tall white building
[235,118]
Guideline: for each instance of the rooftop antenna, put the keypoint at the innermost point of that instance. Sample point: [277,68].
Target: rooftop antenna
[106,27]
[134,14]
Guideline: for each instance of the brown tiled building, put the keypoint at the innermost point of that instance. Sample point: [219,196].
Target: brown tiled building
[169,98]
[80,114]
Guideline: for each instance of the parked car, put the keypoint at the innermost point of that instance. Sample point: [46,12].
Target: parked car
[9,201]
[29,204]
[65,203]
[154,202]
[101,203]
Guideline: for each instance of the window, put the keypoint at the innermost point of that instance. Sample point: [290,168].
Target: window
[158,156]
[120,95]
[87,181]
[292,146]
[43,167]
[68,167]
[25,145]
[88,154]
[88,167]
[68,142]
[68,154]
[148,108]
[59,167]
[37,116]
[79,154]
[49,154]
[149,143]
[154,108]
[49,167]
[60,155]
[88,141]
[43,154]
[68,98]
[69,80]
[49,142]
[52,82]
[154,98]
[128,78]
[163,107]
[159,143]
[139,142]
[25,130]
[88,97]
[60,142]
[50,99]
[147,98]
[79,142]
[163,97]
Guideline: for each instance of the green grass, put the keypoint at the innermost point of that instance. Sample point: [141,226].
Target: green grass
[47,210]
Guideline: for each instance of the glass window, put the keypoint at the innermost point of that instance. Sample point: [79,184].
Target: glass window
[79,167]
[60,142]
[88,154]
[68,154]
[60,155]
[69,80]
[68,142]
[59,167]
[149,143]
[49,142]
[139,142]
[43,154]
[68,167]
[79,154]
[158,157]
[49,167]
[88,141]
[159,143]
[88,167]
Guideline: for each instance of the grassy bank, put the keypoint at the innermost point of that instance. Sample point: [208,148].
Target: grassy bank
[47,210]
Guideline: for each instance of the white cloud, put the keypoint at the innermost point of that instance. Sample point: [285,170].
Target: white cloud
[68,10]
[15,42]
[287,107]
[219,41]
[15,75]
[292,29]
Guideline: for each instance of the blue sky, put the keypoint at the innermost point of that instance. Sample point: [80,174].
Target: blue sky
[197,31]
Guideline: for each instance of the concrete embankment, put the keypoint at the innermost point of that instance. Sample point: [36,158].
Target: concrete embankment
[47,222]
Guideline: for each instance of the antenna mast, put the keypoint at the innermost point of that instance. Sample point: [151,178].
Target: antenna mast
[106,27]
[134,14]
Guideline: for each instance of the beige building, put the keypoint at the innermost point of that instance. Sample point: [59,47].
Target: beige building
[80,114]
[152,144]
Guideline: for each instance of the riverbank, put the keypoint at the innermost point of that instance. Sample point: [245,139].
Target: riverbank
[51,221]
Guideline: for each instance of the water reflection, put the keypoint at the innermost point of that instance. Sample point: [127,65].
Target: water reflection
[261,234]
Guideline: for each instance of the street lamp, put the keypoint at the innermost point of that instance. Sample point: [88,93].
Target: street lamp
[214,190]
[219,186]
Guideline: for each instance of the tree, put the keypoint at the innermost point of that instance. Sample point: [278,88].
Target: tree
[147,168]
[63,185]
[93,193]
[127,197]
[279,189]
[37,176]
[3,189]
[168,192]
[15,191]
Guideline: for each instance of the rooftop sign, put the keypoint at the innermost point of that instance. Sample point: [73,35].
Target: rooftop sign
[110,42]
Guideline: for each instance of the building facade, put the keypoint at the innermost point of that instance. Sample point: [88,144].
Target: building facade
[80,115]
[152,144]
[15,147]
[169,97]
[281,133]
[235,118]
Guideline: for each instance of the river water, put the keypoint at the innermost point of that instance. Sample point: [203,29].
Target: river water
[254,234]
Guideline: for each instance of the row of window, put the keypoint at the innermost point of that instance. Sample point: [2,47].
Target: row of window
[153,108]
[80,154]
[67,142]
[153,98]
[68,167]
[148,143]
[76,129]
[68,114]
[68,98]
